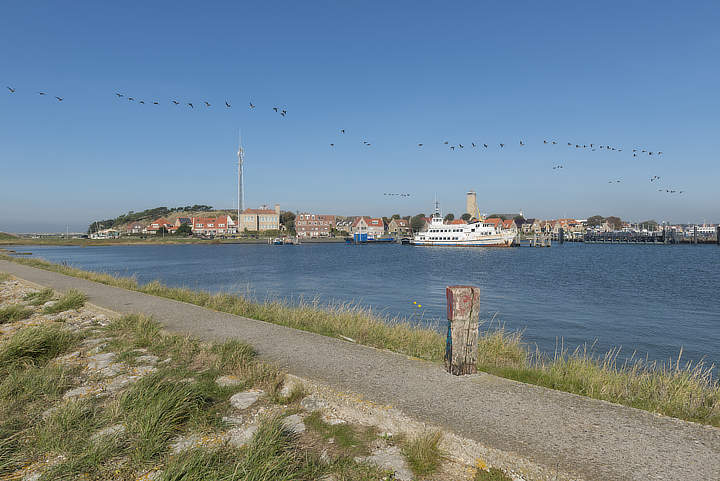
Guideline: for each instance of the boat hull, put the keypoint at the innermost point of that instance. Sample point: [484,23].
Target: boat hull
[499,241]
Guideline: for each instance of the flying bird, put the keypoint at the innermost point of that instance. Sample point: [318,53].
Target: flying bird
[452,147]
[553,142]
[251,105]
[176,102]
[275,109]
[473,144]
[342,131]
[332,145]
[446,142]
[420,145]
[142,102]
[12,90]
[131,99]
[502,145]
[119,95]
[544,141]
[227,104]
[283,113]
[522,143]
[59,99]
[207,104]
[461,146]
[41,93]
[485,145]
[191,105]
[155,102]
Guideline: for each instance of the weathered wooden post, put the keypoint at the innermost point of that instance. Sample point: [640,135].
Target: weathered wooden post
[717,235]
[463,309]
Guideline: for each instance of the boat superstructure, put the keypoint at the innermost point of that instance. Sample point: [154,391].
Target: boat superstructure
[475,234]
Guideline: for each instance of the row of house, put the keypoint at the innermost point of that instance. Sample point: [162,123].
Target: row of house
[251,220]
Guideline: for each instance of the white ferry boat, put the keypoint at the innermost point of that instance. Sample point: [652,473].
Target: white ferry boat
[475,234]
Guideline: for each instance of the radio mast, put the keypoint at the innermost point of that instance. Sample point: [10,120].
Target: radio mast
[241,193]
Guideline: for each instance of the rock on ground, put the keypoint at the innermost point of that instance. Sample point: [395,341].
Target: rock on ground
[245,399]
[390,458]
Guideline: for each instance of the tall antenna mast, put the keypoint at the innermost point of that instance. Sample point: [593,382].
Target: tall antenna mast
[241,193]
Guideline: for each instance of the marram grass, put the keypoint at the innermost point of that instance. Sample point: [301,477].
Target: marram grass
[679,389]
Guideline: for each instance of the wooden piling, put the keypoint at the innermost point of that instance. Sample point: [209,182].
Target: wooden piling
[717,235]
[463,309]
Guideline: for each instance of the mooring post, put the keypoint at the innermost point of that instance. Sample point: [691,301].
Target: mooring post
[463,309]
[695,240]
[717,235]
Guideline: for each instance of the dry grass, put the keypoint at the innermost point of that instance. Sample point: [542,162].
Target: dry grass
[14,313]
[674,388]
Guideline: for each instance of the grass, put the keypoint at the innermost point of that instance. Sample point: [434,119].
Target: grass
[14,313]
[493,474]
[72,299]
[4,276]
[673,388]
[351,441]
[34,346]
[39,298]
[423,453]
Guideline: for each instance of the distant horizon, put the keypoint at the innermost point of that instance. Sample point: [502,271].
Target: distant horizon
[553,110]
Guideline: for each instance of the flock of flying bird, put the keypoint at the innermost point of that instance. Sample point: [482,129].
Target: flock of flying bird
[474,145]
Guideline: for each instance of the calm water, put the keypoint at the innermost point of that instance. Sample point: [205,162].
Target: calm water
[652,299]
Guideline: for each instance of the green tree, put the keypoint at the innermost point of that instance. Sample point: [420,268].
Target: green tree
[287,219]
[449,216]
[595,220]
[395,216]
[184,229]
[466,217]
[417,222]
[161,231]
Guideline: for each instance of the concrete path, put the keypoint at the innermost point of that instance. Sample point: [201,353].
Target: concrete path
[589,439]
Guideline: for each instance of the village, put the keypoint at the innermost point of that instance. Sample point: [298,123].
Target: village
[272,222]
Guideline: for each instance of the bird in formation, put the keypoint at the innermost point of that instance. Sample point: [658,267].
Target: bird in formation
[227,104]
[207,104]
[191,105]
[12,90]
[251,105]
[59,99]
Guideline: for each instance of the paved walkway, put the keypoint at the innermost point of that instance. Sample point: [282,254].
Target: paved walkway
[590,439]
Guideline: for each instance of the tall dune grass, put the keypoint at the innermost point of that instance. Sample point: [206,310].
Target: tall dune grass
[675,388]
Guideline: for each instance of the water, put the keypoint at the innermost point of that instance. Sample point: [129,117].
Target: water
[650,299]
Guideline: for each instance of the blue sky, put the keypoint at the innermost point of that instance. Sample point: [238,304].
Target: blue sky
[627,74]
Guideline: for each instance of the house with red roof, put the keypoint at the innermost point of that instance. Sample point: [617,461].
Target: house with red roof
[212,226]
[157,224]
[374,227]
[399,228]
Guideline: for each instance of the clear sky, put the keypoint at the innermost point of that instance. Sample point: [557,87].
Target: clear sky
[630,74]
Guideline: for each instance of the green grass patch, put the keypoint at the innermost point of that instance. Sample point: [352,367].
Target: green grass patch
[14,313]
[423,453]
[4,276]
[352,441]
[40,297]
[682,390]
[493,474]
[34,345]
[72,299]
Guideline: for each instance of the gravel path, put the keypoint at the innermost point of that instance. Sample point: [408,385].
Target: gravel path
[588,439]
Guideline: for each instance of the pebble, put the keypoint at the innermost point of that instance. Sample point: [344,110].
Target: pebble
[233,420]
[294,424]
[245,399]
